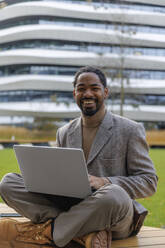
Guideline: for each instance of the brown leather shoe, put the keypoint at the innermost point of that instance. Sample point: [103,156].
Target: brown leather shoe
[12,230]
[101,239]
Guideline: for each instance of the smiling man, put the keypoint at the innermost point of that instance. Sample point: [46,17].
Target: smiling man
[119,168]
[90,94]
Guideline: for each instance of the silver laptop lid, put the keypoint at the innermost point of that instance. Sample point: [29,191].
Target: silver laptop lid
[52,170]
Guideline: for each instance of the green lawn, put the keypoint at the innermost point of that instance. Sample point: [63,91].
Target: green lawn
[8,162]
[155,204]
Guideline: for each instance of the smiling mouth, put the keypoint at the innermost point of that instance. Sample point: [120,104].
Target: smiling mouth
[88,102]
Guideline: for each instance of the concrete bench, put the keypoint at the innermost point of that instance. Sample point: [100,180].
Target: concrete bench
[149,237]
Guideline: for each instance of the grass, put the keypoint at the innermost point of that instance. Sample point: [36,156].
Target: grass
[8,162]
[154,204]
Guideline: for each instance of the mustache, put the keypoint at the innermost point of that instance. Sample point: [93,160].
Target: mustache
[85,98]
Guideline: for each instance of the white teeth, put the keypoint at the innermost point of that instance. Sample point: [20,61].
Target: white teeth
[88,102]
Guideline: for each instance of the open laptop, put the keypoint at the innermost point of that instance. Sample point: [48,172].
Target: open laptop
[52,170]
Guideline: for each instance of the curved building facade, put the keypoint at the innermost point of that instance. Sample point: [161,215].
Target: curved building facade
[43,43]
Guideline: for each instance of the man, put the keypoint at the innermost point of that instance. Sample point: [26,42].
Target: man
[119,167]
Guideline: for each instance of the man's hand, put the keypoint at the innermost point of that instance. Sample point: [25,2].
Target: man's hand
[97,182]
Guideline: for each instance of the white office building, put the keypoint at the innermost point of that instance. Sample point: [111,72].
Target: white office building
[44,42]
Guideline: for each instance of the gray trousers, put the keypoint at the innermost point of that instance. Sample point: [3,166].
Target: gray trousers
[109,208]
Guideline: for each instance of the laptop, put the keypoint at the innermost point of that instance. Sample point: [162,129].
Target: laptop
[53,170]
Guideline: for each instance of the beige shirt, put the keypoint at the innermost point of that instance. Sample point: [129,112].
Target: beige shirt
[89,130]
[89,133]
[88,138]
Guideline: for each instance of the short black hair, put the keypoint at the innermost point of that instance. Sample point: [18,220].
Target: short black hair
[93,69]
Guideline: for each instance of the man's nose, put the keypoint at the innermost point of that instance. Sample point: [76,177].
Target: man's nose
[88,93]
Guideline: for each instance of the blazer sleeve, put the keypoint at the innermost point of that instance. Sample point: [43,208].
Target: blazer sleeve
[57,139]
[141,181]
[61,136]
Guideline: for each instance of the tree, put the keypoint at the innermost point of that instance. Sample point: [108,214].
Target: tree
[120,75]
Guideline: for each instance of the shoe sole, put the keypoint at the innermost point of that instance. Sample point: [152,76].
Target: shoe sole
[102,239]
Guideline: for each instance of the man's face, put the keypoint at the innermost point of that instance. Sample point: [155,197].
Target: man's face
[89,93]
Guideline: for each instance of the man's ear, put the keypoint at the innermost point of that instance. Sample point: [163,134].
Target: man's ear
[106,92]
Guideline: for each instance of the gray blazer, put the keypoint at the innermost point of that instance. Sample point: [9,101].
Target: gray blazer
[120,153]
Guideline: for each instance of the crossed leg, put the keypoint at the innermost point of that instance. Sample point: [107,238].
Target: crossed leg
[109,208]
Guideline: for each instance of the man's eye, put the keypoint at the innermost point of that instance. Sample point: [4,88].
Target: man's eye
[80,89]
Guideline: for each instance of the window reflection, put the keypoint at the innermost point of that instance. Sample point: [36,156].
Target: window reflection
[67,70]
[60,21]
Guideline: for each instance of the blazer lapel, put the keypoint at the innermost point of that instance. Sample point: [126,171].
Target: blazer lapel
[103,134]
[75,135]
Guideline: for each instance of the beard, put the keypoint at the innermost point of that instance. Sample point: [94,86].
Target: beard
[88,111]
